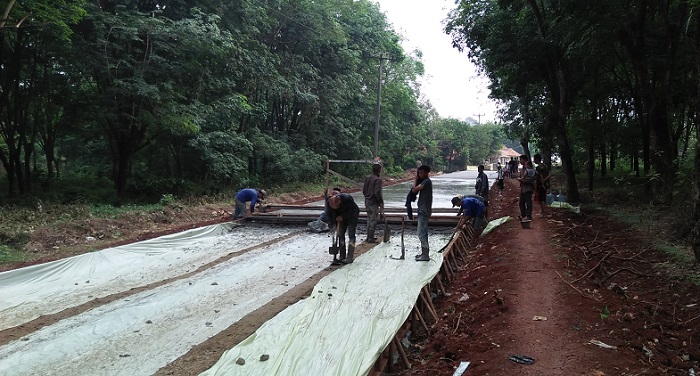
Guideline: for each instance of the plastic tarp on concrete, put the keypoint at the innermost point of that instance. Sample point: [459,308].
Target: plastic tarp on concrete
[30,292]
[143,332]
[342,328]
[495,223]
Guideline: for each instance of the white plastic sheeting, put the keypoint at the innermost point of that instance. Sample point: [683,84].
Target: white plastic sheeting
[30,292]
[495,223]
[566,205]
[342,328]
[139,334]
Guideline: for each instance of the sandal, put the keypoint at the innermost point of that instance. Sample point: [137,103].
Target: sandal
[522,359]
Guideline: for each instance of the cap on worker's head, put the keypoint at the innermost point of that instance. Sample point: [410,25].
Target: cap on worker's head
[456,202]
[335,191]
[262,193]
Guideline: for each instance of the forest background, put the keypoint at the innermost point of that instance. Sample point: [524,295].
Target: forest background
[109,103]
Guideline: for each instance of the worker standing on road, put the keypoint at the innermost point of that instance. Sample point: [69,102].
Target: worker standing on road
[343,210]
[245,195]
[527,186]
[372,190]
[424,186]
[482,187]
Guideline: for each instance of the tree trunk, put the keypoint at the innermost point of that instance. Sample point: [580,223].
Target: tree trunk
[525,143]
[695,231]
[6,163]
[590,161]
[613,156]
[603,160]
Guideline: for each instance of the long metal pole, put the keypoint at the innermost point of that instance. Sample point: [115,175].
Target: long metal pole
[375,152]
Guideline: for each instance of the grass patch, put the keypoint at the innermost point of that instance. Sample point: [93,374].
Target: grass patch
[683,267]
[10,255]
[678,253]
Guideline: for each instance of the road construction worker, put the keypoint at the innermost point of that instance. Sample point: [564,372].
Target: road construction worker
[247,195]
[344,213]
[473,210]
[372,190]
[321,224]
[423,186]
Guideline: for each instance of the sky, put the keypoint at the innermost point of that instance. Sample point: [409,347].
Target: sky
[451,82]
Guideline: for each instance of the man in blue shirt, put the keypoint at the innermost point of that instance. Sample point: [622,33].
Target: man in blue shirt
[472,208]
[245,195]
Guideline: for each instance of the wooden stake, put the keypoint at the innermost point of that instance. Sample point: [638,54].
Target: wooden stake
[447,271]
[402,353]
[421,319]
[438,277]
[390,356]
[429,303]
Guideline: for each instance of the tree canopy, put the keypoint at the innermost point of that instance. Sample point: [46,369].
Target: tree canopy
[595,82]
[167,96]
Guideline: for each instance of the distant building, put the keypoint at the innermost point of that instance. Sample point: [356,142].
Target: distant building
[505,154]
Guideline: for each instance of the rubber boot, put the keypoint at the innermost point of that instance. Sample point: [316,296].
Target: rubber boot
[424,256]
[370,236]
[341,248]
[351,253]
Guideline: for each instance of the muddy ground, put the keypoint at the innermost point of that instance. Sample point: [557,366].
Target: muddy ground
[580,294]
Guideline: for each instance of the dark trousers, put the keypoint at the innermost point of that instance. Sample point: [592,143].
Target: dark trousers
[526,204]
[351,228]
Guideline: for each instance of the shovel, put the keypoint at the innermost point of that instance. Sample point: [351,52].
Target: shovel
[333,249]
[403,249]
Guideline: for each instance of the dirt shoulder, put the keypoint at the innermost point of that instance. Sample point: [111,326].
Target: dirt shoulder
[596,281]
[580,294]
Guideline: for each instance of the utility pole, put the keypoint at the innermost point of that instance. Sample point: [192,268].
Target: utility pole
[479,116]
[377,110]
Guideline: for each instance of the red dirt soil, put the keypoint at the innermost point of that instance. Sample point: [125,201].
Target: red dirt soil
[592,278]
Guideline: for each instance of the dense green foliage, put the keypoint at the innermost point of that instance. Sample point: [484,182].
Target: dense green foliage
[185,96]
[605,84]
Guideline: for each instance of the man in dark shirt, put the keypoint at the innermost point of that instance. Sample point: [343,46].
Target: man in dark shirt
[482,187]
[372,191]
[343,211]
[424,186]
[541,182]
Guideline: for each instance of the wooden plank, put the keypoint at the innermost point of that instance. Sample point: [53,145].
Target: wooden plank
[345,178]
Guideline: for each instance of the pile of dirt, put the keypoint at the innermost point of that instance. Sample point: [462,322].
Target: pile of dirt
[580,294]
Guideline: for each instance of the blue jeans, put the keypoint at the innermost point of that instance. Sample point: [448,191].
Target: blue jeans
[323,217]
[239,210]
[423,230]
